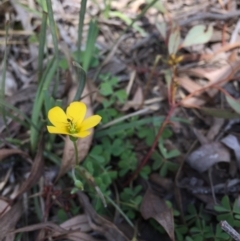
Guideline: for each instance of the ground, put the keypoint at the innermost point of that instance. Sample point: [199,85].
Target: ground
[163,77]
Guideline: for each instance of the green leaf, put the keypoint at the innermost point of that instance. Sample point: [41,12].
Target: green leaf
[174,40]
[167,133]
[234,103]
[62,215]
[145,172]
[121,95]
[219,113]
[106,89]
[164,170]
[226,202]
[173,153]
[198,34]
[220,209]
[228,217]
[156,164]
[236,223]
[236,208]
[237,216]
[90,45]
[39,99]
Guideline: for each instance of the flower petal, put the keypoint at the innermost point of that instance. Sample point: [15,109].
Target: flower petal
[90,122]
[82,134]
[57,116]
[57,130]
[77,111]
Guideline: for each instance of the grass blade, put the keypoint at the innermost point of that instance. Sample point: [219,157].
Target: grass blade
[80,26]
[4,70]
[90,46]
[38,103]
[42,39]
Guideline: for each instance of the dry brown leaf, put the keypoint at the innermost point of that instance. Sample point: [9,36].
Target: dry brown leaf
[36,170]
[10,84]
[77,236]
[79,222]
[4,206]
[216,77]
[9,219]
[46,225]
[154,207]
[233,143]
[188,84]
[191,86]
[83,145]
[207,155]
[99,224]
[136,102]
[215,128]
[4,153]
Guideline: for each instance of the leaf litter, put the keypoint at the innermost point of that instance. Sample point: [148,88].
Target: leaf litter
[202,84]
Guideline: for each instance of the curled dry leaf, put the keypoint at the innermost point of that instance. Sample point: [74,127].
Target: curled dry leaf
[154,207]
[99,224]
[207,155]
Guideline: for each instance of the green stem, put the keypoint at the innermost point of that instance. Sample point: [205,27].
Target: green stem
[76,151]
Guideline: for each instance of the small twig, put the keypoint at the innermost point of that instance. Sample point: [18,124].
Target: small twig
[225,226]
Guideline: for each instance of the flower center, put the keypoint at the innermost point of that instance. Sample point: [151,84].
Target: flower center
[71,126]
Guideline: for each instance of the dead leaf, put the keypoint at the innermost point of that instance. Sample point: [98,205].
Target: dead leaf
[46,225]
[9,219]
[36,170]
[207,155]
[232,142]
[136,102]
[154,207]
[10,83]
[4,153]
[99,224]
[4,206]
[215,76]
[215,128]
[79,222]
[76,236]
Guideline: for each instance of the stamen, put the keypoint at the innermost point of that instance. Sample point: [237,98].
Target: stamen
[72,128]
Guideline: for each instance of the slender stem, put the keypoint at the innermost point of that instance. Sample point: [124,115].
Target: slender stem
[173,106]
[76,151]
[145,160]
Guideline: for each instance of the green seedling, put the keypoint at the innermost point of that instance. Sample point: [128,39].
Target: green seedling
[228,212]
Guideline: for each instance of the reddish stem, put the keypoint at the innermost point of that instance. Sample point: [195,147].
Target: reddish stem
[145,160]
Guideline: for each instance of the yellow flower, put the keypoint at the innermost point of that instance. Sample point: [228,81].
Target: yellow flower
[72,122]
